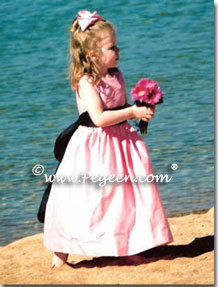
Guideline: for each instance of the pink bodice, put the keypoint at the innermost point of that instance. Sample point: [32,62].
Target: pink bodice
[111,90]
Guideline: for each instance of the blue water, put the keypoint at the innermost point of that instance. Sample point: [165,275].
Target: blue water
[168,41]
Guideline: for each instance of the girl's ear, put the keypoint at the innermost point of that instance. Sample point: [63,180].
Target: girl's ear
[92,55]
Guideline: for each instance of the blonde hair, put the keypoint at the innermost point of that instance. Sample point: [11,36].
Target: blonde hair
[81,43]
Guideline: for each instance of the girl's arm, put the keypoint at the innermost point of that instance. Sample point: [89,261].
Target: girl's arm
[102,118]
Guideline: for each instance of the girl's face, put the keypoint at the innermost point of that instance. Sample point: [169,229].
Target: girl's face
[109,54]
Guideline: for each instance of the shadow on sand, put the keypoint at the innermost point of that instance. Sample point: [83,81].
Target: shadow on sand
[197,247]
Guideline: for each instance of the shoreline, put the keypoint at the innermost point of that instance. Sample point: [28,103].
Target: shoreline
[171,216]
[189,259]
[200,211]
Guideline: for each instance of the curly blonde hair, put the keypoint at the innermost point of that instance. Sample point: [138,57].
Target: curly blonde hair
[83,42]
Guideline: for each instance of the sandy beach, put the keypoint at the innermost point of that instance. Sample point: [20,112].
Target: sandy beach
[187,260]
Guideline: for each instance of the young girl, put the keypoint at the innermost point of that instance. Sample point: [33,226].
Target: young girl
[117,218]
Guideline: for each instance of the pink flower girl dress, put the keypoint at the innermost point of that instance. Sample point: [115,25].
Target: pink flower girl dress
[112,219]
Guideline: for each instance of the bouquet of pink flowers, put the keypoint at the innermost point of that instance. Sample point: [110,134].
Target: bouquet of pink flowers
[146,93]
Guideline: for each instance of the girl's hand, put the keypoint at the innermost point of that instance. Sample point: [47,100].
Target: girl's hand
[143,113]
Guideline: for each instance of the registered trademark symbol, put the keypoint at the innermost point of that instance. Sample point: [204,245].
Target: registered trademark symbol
[174,166]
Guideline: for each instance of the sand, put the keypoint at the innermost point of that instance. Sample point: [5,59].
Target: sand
[187,260]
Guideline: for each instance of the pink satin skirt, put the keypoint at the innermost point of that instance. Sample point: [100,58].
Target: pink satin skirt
[95,215]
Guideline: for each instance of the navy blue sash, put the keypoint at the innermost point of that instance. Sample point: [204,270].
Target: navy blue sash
[60,148]
[65,136]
